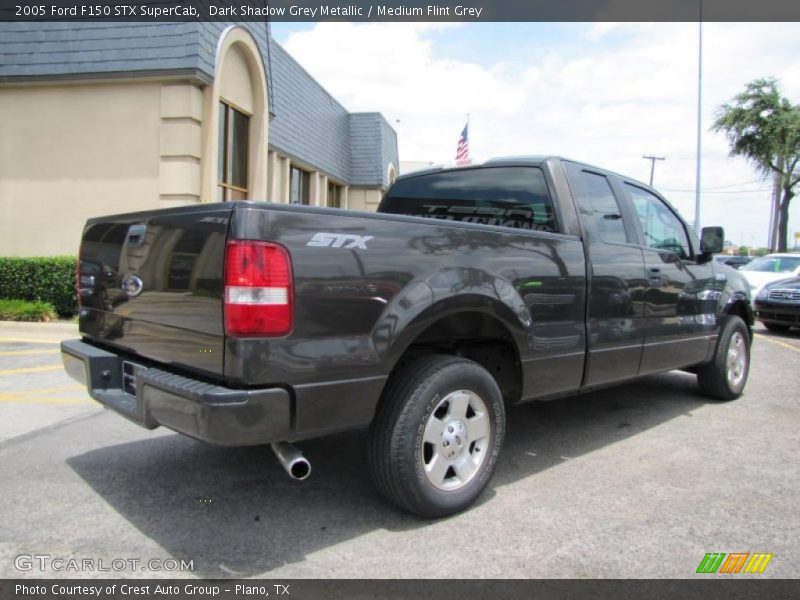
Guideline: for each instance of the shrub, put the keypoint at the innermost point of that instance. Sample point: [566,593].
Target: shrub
[41,279]
[21,310]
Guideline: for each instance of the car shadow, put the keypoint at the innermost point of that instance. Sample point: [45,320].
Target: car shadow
[790,334]
[235,513]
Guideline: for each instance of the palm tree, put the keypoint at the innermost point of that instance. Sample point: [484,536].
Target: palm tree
[763,126]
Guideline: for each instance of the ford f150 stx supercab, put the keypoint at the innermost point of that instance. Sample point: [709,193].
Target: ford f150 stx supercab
[470,290]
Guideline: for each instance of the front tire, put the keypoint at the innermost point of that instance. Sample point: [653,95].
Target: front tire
[776,327]
[435,440]
[725,376]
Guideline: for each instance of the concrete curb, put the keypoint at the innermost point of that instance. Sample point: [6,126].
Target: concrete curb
[36,331]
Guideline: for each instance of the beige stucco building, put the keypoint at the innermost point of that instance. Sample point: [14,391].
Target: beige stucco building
[123,117]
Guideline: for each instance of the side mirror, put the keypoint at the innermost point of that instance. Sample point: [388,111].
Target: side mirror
[711,240]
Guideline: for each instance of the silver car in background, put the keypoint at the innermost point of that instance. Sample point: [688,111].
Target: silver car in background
[771,267]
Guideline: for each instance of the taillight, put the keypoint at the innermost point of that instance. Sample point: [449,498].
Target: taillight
[258,289]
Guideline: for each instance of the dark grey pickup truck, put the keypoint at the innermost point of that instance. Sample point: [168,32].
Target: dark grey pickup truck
[469,291]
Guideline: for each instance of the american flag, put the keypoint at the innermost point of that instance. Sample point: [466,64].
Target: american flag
[462,151]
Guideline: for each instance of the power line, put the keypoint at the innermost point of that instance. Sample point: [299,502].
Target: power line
[741,191]
[712,191]
[730,185]
[720,187]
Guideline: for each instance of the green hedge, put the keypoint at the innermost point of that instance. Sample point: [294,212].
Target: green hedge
[21,310]
[48,279]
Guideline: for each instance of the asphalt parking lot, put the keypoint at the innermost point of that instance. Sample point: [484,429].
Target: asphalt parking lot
[637,481]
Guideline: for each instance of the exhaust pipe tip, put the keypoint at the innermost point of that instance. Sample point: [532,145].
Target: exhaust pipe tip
[300,469]
[292,460]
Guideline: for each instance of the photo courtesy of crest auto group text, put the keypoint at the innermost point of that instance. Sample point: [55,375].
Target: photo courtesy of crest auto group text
[297,306]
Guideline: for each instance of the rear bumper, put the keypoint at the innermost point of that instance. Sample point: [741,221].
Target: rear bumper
[201,410]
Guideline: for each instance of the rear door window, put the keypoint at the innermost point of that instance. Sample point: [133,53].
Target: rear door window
[598,203]
[515,197]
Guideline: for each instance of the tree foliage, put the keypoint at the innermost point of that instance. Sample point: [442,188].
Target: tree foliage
[763,126]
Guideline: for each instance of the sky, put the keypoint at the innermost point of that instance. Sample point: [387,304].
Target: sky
[602,93]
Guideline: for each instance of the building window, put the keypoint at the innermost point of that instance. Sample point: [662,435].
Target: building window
[232,153]
[298,186]
[334,195]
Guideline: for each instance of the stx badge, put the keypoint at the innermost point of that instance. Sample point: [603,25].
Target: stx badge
[337,240]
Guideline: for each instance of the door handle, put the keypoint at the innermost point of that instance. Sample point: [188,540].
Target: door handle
[654,277]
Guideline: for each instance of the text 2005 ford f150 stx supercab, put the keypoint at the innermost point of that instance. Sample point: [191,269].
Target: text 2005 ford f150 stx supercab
[470,290]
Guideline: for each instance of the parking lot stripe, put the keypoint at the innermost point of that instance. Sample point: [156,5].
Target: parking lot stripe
[11,398]
[31,370]
[4,340]
[779,343]
[42,391]
[29,352]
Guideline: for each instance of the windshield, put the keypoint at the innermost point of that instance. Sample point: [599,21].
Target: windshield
[773,264]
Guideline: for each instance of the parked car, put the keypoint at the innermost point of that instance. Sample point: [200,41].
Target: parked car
[470,290]
[778,304]
[737,262]
[771,267]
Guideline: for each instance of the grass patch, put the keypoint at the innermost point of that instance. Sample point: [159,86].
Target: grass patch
[22,310]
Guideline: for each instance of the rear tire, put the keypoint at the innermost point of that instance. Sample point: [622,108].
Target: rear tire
[725,376]
[436,437]
[776,327]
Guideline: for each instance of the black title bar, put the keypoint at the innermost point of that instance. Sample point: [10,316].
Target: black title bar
[701,588]
[401,11]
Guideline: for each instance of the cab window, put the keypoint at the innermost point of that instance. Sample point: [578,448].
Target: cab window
[662,229]
[597,202]
[514,197]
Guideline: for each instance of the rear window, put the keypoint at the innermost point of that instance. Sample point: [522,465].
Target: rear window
[515,197]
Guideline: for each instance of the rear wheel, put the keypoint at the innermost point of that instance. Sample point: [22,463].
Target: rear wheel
[725,376]
[436,438]
[776,327]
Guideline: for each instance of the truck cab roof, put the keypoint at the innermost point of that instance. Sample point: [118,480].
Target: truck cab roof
[525,160]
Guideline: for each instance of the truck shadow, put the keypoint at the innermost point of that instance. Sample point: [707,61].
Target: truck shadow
[235,513]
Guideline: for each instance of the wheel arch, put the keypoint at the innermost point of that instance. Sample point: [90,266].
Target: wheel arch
[739,305]
[479,328]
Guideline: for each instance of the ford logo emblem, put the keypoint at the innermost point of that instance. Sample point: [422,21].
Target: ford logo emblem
[132,285]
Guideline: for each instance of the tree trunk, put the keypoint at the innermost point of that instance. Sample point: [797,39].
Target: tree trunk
[783,219]
[774,209]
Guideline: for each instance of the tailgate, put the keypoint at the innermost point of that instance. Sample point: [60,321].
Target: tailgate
[151,284]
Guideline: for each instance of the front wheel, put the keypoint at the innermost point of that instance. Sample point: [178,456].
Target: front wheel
[725,376]
[777,327]
[435,440]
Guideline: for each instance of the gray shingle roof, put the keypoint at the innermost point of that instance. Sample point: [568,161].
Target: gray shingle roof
[308,125]
[63,50]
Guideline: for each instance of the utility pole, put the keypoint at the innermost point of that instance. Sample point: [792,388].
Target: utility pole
[699,120]
[653,160]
